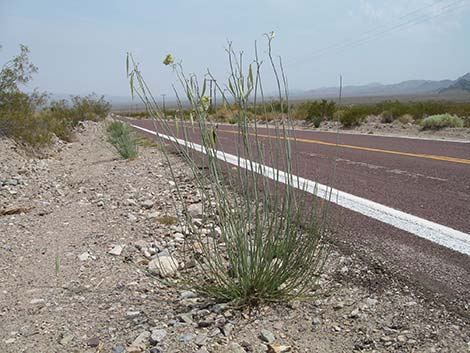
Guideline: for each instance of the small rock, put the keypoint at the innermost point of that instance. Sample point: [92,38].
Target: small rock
[277,348]
[401,338]
[131,217]
[187,337]
[93,342]
[164,266]
[84,257]
[186,318]
[147,204]
[116,250]
[371,301]
[66,338]
[10,340]
[38,302]
[267,336]
[187,294]
[153,215]
[140,342]
[316,321]
[354,314]
[200,340]
[118,349]
[132,314]
[157,336]
[227,329]
[195,210]
[140,244]
[235,348]
[338,305]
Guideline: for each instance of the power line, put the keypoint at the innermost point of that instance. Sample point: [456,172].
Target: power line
[378,32]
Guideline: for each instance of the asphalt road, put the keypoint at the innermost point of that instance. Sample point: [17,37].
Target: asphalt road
[425,178]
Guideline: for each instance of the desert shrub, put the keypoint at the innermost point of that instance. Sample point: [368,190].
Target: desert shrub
[25,117]
[90,107]
[406,119]
[466,121]
[59,118]
[316,121]
[435,122]
[268,242]
[353,116]
[312,110]
[123,139]
[387,117]
[20,118]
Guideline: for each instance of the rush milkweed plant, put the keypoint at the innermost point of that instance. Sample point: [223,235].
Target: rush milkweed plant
[267,240]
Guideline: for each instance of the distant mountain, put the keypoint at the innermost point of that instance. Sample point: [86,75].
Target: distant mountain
[411,87]
[461,84]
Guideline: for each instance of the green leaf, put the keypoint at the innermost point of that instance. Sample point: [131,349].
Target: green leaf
[204,85]
[131,82]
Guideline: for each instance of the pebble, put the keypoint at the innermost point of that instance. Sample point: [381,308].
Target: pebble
[118,349]
[371,301]
[267,336]
[188,294]
[84,256]
[277,348]
[140,342]
[116,250]
[354,314]
[316,321]
[38,302]
[93,342]
[132,314]
[147,204]
[187,337]
[195,210]
[235,348]
[157,336]
[338,305]
[66,339]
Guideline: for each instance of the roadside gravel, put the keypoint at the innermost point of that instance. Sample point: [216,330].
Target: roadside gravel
[80,230]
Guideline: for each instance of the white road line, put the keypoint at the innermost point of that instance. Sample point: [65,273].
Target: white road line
[437,233]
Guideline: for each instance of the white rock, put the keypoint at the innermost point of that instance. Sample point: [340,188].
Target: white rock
[85,256]
[116,250]
[157,336]
[140,342]
[163,265]
[153,215]
[195,209]
[147,204]
[38,302]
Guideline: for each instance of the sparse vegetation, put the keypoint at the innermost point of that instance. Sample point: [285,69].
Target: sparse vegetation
[353,116]
[251,255]
[28,119]
[436,122]
[123,139]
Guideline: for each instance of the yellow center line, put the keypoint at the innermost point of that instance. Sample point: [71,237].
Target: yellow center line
[370,149]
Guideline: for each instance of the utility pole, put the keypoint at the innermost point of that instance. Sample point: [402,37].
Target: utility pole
[163,103]
[213,93]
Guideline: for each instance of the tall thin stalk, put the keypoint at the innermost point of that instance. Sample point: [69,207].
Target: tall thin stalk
[270,246]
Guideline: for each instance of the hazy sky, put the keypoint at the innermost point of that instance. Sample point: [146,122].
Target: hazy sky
[80,46]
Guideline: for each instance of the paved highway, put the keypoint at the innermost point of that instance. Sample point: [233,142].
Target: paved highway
[423,183]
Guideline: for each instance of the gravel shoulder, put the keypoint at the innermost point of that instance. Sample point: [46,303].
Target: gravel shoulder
[77,233]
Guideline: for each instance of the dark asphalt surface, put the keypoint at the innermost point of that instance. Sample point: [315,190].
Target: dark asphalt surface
[436,190]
